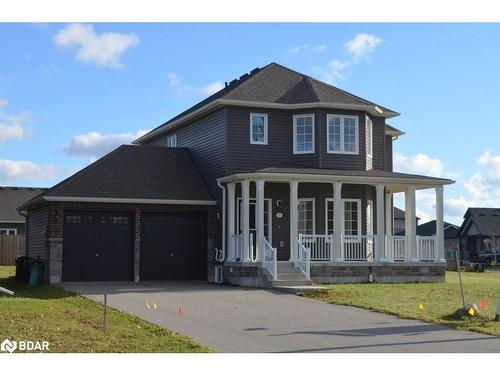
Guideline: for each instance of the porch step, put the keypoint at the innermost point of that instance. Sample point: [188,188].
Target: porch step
[298,276]
[295,283]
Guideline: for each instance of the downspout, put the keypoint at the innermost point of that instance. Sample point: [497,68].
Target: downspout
[220,255]
[25,231]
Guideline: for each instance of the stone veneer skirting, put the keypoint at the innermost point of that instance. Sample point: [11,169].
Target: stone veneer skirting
[252,275]
[358,272]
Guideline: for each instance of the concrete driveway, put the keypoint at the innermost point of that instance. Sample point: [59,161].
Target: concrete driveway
[231,319]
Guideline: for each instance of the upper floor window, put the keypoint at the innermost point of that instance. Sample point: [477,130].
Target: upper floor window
[369,137]
[303,134]
[258,129]
[172,141]
[342,134]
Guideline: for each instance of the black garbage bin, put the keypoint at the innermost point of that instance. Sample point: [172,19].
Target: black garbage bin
[23,269]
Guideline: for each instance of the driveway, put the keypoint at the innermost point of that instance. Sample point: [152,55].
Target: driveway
[231,319]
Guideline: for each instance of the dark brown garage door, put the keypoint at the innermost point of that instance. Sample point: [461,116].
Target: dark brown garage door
[173,246]
[97,246]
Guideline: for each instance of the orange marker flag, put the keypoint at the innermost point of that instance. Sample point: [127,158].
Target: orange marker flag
[483,304]
[180,311]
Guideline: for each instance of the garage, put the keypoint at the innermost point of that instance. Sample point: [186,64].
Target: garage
[97,246]
[136,214]
[173,246]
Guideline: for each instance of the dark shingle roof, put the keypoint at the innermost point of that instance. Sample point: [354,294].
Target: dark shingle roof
[429,229]
[277,84]
[398,213]
[392,130]
[13,197]
[137,172]
[487,220]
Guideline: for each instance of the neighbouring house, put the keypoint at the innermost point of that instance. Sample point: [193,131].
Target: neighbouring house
[399,221]
[277,179]
[12,224]
[451,240]
[480,233]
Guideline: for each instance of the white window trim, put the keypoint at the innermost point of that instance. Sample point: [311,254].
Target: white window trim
[369,124]
[344,200]
[356,134]
[313,200]
[295,117]
[174,137]
[7,230]
[252,142]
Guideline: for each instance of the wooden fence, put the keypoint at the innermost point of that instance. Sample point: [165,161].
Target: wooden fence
[10,247]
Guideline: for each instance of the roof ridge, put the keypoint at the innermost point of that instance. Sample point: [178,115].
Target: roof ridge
[323,83]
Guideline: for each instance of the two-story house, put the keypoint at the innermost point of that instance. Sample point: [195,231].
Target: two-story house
[276,179]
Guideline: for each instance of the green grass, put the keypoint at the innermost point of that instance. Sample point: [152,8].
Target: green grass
[71,323]
[440,300]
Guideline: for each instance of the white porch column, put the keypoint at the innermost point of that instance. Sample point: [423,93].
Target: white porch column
[389,221]
[294,202]
[230,221]
[439,225]
[380,249]
[259,218]
[338,221]
[411,223]
[245,218]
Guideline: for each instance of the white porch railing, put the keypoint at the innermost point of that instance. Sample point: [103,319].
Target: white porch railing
[426,246]
[358,247]
[395,248]
[270,258]
[320,246]
[303,260]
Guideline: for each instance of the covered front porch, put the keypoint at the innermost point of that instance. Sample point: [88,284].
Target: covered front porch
[327,224]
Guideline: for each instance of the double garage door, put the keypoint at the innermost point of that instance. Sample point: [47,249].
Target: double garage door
[99,246]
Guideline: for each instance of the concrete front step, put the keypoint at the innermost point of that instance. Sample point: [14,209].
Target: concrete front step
[279,282]
[299,276]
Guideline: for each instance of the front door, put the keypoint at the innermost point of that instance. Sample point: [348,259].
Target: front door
[252,221]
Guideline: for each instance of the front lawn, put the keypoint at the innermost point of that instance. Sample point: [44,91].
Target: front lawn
[439,300]
[71,323]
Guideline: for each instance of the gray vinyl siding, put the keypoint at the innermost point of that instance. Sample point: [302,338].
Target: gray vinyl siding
[243,156]
[388,153]
[206,140]
[36,236]
[378,143]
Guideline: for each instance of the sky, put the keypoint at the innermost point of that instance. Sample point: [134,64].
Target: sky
[69,93]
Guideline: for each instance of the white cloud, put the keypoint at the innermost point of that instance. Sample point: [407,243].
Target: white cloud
[183,89]
[492,163]
[362,45]
[482,188]
[307,48]
[95,144]
[15,170]
[103,50]
[13,126]
[420,163]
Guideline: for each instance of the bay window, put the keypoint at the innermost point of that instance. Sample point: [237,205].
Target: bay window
[303,134]
[342,134]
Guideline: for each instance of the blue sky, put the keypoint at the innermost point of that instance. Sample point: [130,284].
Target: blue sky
[69,93]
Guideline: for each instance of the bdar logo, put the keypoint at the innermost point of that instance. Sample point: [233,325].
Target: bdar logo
[8,346]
